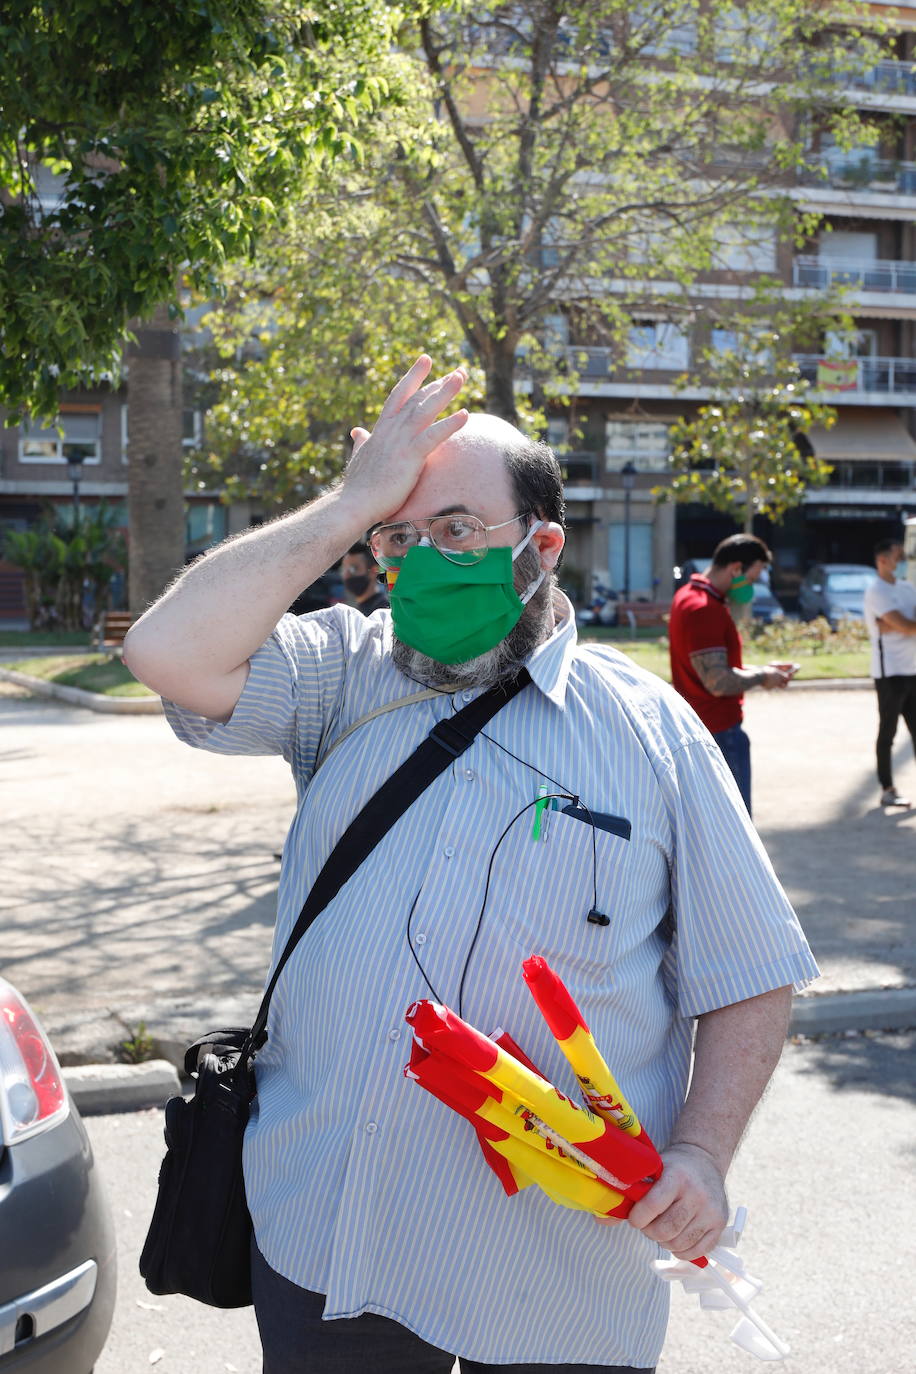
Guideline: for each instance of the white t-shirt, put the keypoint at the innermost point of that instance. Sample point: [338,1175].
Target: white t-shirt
[892,653]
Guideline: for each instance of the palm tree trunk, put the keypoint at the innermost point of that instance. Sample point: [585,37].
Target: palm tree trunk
[156,515]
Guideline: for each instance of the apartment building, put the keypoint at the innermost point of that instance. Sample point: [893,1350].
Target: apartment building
[81,461]
[627,398]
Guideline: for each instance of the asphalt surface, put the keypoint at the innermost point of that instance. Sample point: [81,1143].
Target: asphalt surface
[139,875]
[828,1174]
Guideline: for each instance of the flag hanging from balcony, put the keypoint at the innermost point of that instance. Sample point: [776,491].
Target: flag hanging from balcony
[837,374]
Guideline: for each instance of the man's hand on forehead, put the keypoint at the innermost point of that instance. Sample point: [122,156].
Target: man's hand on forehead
[386,464]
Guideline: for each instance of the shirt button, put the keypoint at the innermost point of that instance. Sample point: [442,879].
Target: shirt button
[448,851]
[469,774]
[420,939]
[394,1034]
[371,1128]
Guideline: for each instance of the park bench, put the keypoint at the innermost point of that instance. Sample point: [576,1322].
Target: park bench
[636,614]
[111,628]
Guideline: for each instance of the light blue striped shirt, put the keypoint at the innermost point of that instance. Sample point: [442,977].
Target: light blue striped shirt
[361,1185]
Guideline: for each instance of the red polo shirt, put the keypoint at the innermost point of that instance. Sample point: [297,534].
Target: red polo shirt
[700,619]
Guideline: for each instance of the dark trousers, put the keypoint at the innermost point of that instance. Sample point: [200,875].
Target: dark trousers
[896,698]
[736,748]
[296,1341]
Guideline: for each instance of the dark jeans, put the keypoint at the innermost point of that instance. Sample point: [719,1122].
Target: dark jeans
[736,747]
[296,1341]
[896,698]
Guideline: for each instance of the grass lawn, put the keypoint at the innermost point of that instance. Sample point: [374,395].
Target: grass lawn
[92,672]
[652,653]
[15,639]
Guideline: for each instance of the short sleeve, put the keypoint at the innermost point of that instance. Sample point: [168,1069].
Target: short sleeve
[736,934]
[293,687]
[881,597]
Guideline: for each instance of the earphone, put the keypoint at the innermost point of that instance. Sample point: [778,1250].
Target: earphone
[594,916]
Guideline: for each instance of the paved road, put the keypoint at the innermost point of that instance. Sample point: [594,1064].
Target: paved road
[827,1172]
[139,879]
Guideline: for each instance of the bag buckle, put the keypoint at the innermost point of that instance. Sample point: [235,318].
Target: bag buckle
[449,738]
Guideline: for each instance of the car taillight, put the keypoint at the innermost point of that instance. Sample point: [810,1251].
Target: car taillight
[32,1092]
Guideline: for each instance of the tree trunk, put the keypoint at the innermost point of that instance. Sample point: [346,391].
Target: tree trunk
[499,365]
[155,502]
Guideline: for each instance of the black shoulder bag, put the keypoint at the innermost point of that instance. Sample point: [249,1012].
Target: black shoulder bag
[200,1235]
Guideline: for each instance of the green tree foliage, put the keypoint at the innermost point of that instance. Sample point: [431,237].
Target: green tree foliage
[305,347]
[746,452]
[554,156]
[61,561]
[141,140]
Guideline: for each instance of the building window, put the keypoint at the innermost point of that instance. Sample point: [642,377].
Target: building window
[192,428]
[205,525]
[640,536]
[558,433]
[79,435]
[744,248]
[656,345]
[644,443]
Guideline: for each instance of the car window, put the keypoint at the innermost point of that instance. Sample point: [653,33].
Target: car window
[847,582]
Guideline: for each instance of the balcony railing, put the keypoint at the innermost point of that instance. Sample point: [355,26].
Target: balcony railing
[834,376]
[859,172]
[888,77]
[882,274]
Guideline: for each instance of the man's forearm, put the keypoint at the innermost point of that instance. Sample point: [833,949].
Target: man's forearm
[721,680]
[193,645]
[737,1049]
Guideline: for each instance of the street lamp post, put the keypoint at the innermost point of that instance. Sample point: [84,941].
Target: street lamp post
[628,478]
[75,472]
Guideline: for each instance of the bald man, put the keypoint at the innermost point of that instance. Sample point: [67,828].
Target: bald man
[382,1238]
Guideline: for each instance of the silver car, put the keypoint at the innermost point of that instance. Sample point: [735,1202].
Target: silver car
[835,591]
[57,1245]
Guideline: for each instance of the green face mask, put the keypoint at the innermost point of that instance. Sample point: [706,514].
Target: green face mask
[741,591]
[453,612]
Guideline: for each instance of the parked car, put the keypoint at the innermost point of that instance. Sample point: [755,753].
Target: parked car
[765,607]
[836,591]
[57,1244]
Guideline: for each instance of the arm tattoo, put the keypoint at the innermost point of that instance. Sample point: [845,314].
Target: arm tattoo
[711,666]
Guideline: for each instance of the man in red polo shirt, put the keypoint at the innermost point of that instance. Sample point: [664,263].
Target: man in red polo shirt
[705,649]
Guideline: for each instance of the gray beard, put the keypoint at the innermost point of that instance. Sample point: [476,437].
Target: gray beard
[499,663]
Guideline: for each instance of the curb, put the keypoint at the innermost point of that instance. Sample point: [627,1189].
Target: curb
[884,1009]
[103,1088]
[93,701]
[832,684]
[97,1088]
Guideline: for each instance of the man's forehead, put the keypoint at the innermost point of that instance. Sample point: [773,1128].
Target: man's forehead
[468,472]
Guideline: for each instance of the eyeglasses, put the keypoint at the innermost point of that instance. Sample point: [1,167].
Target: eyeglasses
[459,538]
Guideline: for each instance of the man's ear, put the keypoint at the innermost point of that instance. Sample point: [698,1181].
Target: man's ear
[549,541]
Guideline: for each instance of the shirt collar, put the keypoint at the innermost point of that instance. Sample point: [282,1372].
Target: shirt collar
[550,663]
[698,580]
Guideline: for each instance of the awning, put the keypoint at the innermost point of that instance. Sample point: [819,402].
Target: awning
[875,438]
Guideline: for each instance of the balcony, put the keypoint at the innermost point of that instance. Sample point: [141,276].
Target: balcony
[850,378]
[881,274]
[859,172]
[884,78]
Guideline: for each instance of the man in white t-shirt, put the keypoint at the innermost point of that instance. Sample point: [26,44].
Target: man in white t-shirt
[890,614]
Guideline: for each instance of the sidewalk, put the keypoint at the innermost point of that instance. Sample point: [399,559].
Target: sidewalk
[139,878]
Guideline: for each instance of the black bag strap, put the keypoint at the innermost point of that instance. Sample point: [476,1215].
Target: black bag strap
[446,742]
